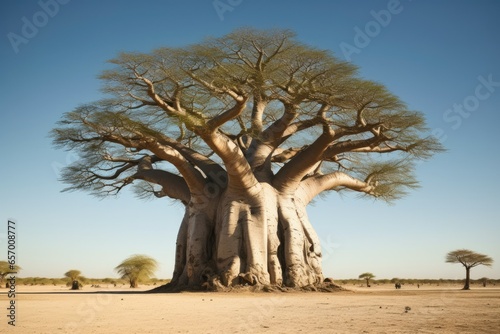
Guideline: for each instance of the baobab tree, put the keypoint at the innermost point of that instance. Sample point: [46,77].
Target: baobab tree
[367,277]
[75,276]
[245,131]
[468,259]
[137,268]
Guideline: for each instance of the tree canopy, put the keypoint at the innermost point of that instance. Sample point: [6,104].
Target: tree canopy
[367,276]
[279,101]
[75,279]
[73,274]
[6,269]
[137,268]
[469,259]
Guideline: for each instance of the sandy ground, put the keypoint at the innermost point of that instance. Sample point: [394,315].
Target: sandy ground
[378,309]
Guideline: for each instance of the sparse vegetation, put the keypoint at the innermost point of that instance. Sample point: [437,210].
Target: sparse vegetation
[5,269]
[110,282]
[103,282]
[137,268]
[468,259]
[367,277]
[75,279]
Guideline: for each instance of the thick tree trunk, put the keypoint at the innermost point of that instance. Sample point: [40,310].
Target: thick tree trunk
[254,237]
[300,244]
[75,285]
[195,246]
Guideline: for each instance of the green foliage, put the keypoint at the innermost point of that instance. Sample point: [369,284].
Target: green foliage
[73,274]
[105,282]
[174,94]
[366,276]
[137,268]
[5,269]
[39,281]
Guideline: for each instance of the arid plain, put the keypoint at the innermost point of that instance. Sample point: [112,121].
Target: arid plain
[379,309]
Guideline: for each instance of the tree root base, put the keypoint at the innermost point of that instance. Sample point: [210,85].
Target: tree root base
[326,286]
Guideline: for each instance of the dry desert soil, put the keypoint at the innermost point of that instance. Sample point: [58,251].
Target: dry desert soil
[379,309]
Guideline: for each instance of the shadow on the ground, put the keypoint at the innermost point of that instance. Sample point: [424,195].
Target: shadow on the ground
[78,292]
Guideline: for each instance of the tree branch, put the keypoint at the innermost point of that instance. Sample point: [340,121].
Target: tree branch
[228,115]
[314,185]
[172,185]
[192,177]
[289,177]
[240,175]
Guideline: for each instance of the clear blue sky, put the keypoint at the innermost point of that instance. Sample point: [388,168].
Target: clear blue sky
[436,55]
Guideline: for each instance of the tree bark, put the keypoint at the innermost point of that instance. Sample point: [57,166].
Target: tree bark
[467,279]
[255,237]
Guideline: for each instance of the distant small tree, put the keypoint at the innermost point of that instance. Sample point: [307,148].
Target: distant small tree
[5,269]
[74,278]
[367,277]
[484,281]
[137,268]
[468,259]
